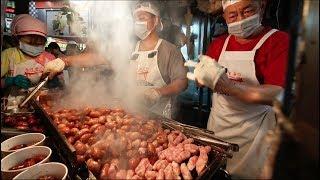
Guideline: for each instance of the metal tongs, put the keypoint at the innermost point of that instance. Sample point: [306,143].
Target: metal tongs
[35,90]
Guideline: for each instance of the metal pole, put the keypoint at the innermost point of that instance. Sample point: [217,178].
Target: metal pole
[294,33]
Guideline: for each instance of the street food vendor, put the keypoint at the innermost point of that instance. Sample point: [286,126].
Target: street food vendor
[159,64]
[246,70]
[24,65]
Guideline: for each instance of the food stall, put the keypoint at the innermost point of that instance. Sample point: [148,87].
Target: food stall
[87,129]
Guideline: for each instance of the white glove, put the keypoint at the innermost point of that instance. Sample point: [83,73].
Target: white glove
[207,72]
[151,96]
[54,66]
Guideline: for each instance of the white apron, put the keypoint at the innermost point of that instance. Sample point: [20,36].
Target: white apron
[148,76]
[241,123]
[30,68]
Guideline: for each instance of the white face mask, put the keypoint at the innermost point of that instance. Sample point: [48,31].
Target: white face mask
[31,50]
[246,27]
[141,29]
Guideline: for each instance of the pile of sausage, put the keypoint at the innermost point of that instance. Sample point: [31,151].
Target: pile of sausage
[48,178]
[118,145]
[20,146]
[24,122]
[28,162]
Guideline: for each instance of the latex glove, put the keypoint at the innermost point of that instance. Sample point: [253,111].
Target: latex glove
[19,80]
[207,72]
[54,67]
[151,97]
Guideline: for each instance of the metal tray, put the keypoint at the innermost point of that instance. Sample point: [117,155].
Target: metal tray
[217,158]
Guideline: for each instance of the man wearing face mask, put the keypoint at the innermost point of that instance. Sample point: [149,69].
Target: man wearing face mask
[159,64]
[23,65]
[246,70]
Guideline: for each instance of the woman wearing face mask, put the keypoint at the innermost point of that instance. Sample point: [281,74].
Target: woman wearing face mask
[255,59]
[159,64]
[23,66]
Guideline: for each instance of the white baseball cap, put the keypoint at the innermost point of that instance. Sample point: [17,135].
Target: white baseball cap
[226,3]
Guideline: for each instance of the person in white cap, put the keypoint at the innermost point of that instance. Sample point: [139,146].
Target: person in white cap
[246,70]
[159,64]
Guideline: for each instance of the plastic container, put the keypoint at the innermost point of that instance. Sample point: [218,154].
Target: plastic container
[58,170]
[36,139]
[20,156]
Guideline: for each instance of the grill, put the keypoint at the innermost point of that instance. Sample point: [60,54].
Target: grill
[221,150]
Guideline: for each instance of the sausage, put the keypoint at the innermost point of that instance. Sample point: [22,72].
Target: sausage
[81,158]
[185,171]
[110,125]
[160,164]
[100,130]
[165,145]
[175,168]
[60,126]
[132,153]
[192,162]
[151,148]
[18,147]
[92,140]
[130,174]
[85,126]
[168,172]
[65,130]
[104,171]
[136,143]
[202,159]
[188,141]
[151,174]
[91,121]
[142,167]
[158,149]
[181,137]
[94,127]
[47,178]
[93,166]
[134,135]
[142,151]
[28,162]
[71,139]
[80,148]
[122,174]
[73,118]
[133,162]
[96,153]
[81,132]
[84,138]
[125,128]
[192,148]
[112,172]
[162,138]
[94,114]
[160,175]
[155,143]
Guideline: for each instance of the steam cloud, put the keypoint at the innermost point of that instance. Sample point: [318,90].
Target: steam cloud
[111,33]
